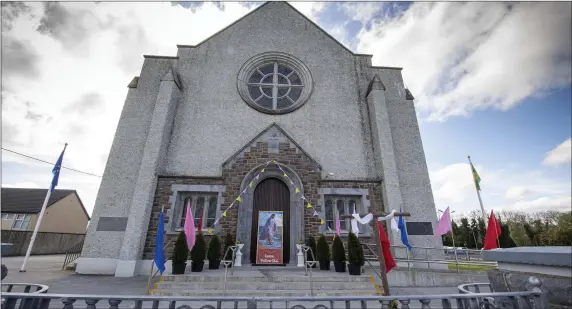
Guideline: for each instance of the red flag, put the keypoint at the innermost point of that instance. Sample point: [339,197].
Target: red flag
[200,227]
[493,233]
[386,249]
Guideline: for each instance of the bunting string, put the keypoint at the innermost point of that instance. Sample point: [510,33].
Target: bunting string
[305,201]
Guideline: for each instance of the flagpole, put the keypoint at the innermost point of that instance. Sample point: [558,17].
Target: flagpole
[38,222]
[478,192]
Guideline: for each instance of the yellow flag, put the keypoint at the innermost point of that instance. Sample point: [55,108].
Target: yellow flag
[250,185]
[322,222]
[297,191]
[285,175]
[224,214]
[309,205]
[210,231]
[239,199]
[262,171]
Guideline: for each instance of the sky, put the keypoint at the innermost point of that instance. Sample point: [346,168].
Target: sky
[491,80]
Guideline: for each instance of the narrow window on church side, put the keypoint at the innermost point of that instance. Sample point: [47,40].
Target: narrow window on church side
[344,205]
[202,205]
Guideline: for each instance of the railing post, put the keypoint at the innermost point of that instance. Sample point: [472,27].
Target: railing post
[456,260]
[538,301]
[251,304]
[225,263]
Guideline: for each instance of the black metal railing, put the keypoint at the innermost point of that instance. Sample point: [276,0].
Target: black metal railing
[24,288]
[519,300]
[73,253]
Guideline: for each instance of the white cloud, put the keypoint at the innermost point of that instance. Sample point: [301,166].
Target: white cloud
[561,203]
[517,192]
[72,85]
[461,57]
[452,184]
[501,189]
[22,185]
[562,154]
[362,11]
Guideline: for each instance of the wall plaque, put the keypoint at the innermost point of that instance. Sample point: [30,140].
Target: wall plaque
[419,228]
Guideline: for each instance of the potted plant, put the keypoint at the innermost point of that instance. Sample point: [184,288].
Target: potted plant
[339,255]
[198,254]
[180,253]
[213,253]
[355,255]
[323,253]
[228,241]
[311,242]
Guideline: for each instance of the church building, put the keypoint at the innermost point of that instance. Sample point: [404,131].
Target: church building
[269,114]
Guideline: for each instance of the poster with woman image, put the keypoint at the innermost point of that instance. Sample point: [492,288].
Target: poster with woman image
[270,231]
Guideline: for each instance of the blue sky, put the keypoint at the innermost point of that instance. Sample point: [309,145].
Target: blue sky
[492,80]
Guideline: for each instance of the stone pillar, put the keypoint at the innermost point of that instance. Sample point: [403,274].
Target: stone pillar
[386,167]
[400,163]
[153,157]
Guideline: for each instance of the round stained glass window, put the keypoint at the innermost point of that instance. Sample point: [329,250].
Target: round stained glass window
[274,83]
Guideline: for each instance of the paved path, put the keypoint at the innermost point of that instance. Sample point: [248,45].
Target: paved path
[47,270]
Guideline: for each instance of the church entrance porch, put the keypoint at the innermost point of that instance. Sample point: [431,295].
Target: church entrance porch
[272,191]
[271,194]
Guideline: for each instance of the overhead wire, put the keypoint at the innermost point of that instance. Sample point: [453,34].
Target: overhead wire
[51,163]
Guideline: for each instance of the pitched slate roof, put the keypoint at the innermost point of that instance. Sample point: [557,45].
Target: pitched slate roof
[30,201]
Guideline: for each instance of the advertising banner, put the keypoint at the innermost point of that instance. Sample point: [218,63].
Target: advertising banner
[269,249]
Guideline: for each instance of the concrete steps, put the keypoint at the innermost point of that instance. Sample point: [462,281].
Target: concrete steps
[278,286]
[215,293]
[294,283]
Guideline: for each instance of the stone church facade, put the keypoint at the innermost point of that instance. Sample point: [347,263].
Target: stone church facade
[271,87]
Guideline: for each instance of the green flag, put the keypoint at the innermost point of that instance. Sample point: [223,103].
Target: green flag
[476,177]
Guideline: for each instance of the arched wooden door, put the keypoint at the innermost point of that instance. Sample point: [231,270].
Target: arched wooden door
[271,194]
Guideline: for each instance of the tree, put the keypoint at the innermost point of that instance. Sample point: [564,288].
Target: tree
[466,238]
[475,232]
[505,240]
[482,230]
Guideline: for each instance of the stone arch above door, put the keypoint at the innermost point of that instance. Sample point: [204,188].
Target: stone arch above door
[244,223]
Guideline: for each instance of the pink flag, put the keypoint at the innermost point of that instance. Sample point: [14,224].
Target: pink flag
[444,225]
[338,228]
[189,226]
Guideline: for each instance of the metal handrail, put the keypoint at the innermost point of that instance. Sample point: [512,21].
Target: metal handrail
[152,274]
[73,253]
[226,263]
[40,288]
[409,259]
[309,265]
[465,288]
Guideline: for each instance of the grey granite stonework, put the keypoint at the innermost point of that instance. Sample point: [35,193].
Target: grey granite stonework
[116,189]
[184,117]
[363,194]
[551,265]
[244,227]
[176,202]
[151,166]
[413,175]
[325,125]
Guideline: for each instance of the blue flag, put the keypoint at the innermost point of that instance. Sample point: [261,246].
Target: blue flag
[159,253]
[56,170]
[401,226]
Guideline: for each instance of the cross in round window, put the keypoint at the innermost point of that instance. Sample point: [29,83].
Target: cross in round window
[275,86]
